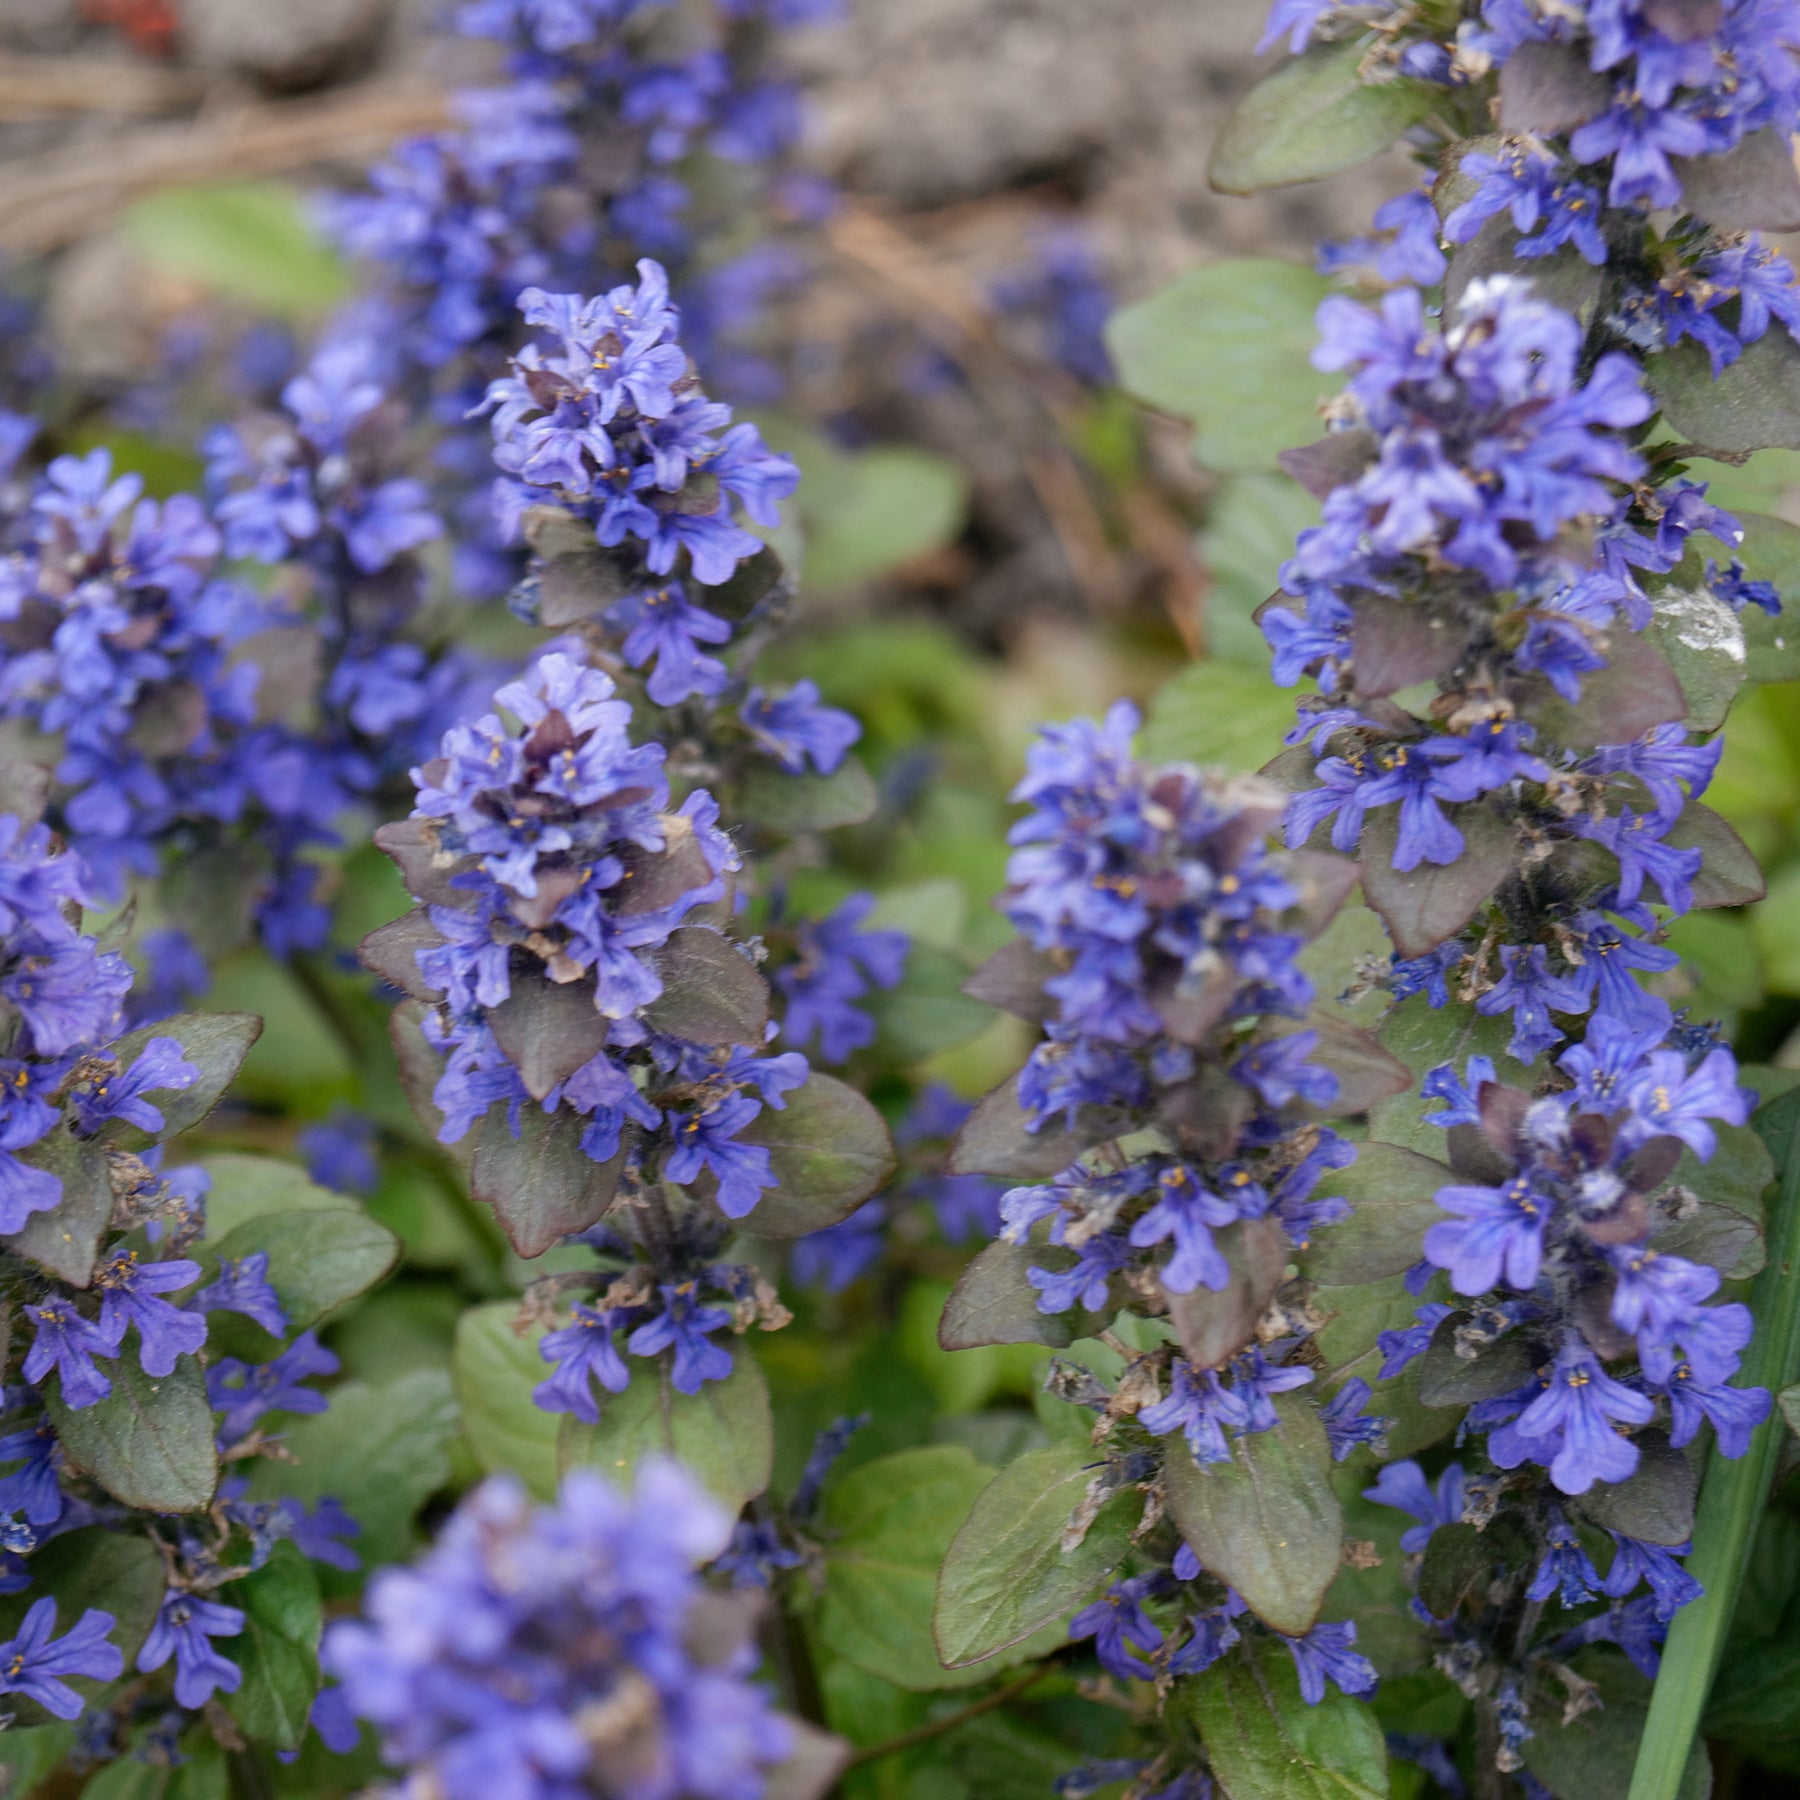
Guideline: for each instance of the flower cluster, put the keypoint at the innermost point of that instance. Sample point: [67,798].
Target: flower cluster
[567,1649]
[578,166]
[1160,937]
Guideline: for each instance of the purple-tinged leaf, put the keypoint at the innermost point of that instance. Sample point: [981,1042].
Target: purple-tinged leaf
[711,994]
[1729,873]
[829,1150]
[1012,979]
[994,1303]
[542,1185]
[995,1139]
[547,1030]
[1753,187]
[1366,1073]
[413,846]
[1214,1327]
[1548,87]
[1449,1379]
[1333,462]
[392,952]
[1397,643]
[1655,1504]
[1426,905]
[1268,1521]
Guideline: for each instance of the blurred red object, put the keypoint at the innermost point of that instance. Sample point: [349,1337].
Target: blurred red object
[150,24]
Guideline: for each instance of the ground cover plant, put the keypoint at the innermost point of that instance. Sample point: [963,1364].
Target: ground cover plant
[612,1185]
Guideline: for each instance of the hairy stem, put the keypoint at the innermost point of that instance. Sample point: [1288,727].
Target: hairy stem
[1731,1502]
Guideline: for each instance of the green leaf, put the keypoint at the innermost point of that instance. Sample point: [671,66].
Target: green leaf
[1655,1504]
[1265,1743]
[65,1239]
[1229,346]
[1006,1576]
[1592,1757]
[1771,552]
[215,1043]
[317,1259]
[31,1753]
[1268,1521]
[278,1649]
[149,1443]
[888,1526]
[1394,1196]
[1753,405]
[96,1568]
[1422,1036]
[875,511]
[1250,531]
[928,1011]
[541,1184]
[711,994]
[1705,644]
[829,1150]
[794,803]
[495,1370]
[724,1433]
[1316,115]
[260,1187]
[993,1302]
[381,1452]
[247,240]
[1217,713]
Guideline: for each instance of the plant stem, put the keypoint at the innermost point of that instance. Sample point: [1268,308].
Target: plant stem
[1731,1502]
[923,1734]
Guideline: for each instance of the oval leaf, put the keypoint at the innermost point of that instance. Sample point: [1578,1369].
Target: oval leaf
[1314,116]
[711,992]
[1394,1196]
[215,1043]
[65,1239]
[1006,1576]
[1268,1521]
[1213,1327]
[829,1150]
[542,1185]
[889,1525]
[793,803]
[1422,907]
[724,1434]
[317,1259]
[548,1029]
[278,1649]
[1265,1743]
[150,1442]
[994,1303]
[495,1369]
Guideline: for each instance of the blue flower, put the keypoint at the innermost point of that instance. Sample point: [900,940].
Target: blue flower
[583,1353]
[1565,1570]
[1201,1409]
[1346,1429]
[1187,1212]
[707,1140]
[1086,1284]
[1666,1099]
[1531,993]
[160,1066]
[340,1152]
[839,1254]
[35,1662]
[130,1294]
[1570,1425]
[32,1488]
[1671,1586]
[795,726]
[1498,1231]
[184,1629]
[65,1341]
[315,1533]
[475,1663]
[242,1393]
[1403,1485]
[683,1325]
[1120,1627]
[1326,1654]
[1398,1348]
[839,963]
[1734,1412]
